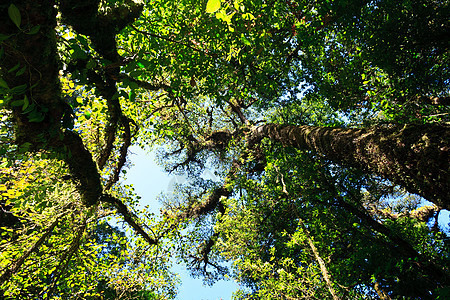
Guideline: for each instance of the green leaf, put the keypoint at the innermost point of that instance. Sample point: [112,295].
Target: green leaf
[245,41]
[24,147]
[78,53]
[26,102]
[34,29]
[91,64]
[143,64]
[36,117]
[14,14]
[29,109]
[17,103]
[212,6]
[130,67]
[132,95]
[248,16]
[3,84]
[14,68]
[4,37]
[20,89]
[133,85]
[83,41]
[21,71]
[136,73]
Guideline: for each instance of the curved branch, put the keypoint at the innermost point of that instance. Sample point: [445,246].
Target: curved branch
[128,216]
[122,153]
[207,206]
[402,245]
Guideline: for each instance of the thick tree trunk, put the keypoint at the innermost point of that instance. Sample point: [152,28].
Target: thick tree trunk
[413,156]
[37,53]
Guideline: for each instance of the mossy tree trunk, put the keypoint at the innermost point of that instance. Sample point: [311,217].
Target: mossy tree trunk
[37,53]
[413,156]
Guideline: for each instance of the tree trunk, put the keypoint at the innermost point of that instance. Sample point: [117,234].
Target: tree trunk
[413,156]
[37,53]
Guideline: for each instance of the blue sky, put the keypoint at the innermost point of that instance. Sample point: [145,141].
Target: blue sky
[149,180]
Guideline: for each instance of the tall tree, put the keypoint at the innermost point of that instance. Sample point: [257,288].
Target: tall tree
[303,109]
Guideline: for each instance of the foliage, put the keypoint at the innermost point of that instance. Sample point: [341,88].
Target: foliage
[215,85]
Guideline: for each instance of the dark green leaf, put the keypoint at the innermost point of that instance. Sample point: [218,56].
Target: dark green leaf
[91,64]
[14,15]
[4,37]
[29,109]
[20,89]
[14,68]
[17,103]
[34,30]
[132,95]
[25,103]
[36,117]
[136,73]
[3,84]
[133,85]
[21,71]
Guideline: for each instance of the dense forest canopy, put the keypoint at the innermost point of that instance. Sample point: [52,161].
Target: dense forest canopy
[326,124]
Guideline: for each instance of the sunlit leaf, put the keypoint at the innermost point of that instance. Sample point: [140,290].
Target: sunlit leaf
[212,6]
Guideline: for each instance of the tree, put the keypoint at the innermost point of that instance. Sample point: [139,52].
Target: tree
[288,102]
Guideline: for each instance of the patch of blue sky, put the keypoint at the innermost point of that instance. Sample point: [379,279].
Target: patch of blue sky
[149,181]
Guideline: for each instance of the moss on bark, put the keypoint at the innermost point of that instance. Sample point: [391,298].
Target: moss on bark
[413,156]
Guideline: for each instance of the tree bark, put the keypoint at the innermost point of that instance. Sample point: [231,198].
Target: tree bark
[380,292]
[413,156]
[37,53]
[323,268]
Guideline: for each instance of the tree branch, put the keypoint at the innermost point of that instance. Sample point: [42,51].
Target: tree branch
[67,256]
[323,268]
[15,266]
[122,153]
[128,216]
